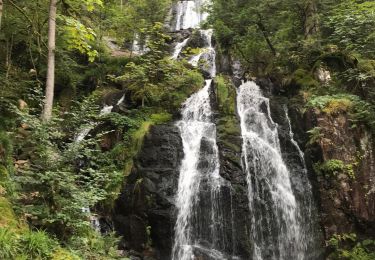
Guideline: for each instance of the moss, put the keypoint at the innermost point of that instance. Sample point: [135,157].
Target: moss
[134,145]
[4,175]
[304,79]
[226,95]
[7,216]
[228,125]
[338,60]
[62,254]
[161,118]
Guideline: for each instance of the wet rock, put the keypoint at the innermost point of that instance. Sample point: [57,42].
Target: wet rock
[347,202]
[146,204]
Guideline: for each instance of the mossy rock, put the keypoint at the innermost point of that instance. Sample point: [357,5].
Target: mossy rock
[304,79]
[7,216]
[226,95]
[338,60]
[4,174]
[228,125]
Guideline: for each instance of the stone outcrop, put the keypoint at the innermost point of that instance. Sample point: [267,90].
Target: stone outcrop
[145,213]
[347,195]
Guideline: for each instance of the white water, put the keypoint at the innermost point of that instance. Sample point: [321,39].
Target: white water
[138,47]
[104,111]
[294,142]
[208,53]
[275,231]
[189,14]
[195,127]
[179,48]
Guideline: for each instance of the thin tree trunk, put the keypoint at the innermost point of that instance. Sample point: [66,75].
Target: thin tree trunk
[50,85]
[311,23]
[8,61]
[265,35]
[1,11]
[262,28]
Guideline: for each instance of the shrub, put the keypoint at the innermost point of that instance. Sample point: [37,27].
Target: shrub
[8,244]
[359,111]
[37,244]
[334,167]
[347,246]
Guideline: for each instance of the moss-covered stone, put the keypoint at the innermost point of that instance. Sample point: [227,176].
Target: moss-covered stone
[304,79]
[228,125]
[7,216]
[226,95]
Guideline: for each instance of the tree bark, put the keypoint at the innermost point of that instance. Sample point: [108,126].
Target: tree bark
[262,28]
[311,23]
[1,11]
[50,85]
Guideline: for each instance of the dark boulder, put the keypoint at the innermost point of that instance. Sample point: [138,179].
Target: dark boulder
[145,212]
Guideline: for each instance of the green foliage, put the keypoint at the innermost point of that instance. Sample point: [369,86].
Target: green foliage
[315,135]
[334,167]
[359,111]
[347,246]
[95,246]
[226,94]
[350,26]
[79,37]
[37,244]
[61,178]
[30,244]
[8,244]
[304,79]
[156,79]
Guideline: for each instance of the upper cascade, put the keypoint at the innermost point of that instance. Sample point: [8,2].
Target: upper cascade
[189,14]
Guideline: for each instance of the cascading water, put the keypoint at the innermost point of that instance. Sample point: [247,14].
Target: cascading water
[201,228]
[189,14]
[280,219]
[276,231]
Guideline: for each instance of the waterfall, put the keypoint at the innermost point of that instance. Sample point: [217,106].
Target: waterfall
[178,48]
[204,222]
[189,14]
[200,228]
[275,229]
[294,142]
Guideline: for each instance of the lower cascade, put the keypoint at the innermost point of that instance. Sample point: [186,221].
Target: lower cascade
[276,229]
[201,229]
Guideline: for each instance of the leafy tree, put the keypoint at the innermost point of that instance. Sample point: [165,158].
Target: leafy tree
[350,25]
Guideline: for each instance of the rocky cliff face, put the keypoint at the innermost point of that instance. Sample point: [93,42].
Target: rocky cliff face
[347,191]
[145,213]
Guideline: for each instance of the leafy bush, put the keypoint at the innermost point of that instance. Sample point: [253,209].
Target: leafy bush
[94,246]
[347,246]
[334,167]
[37,244]
[359,111]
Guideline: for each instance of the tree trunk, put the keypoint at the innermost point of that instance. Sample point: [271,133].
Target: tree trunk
[262,28]
[1,11]
[50,85]
[311,23]
[265,35]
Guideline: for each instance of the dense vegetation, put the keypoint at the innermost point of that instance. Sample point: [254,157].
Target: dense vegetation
[48,175]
